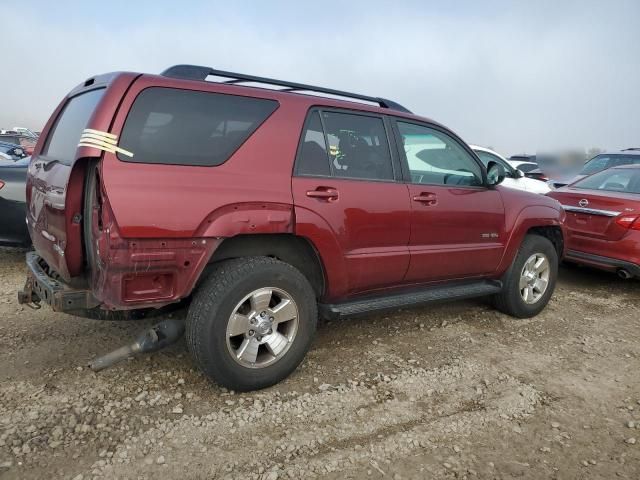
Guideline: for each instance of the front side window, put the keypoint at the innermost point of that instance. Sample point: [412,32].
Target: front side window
[614,180]
[358,146]
[186,127]
[436,158]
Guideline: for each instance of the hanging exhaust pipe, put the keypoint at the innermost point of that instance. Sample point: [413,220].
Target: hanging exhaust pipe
[155,338]
[624,274]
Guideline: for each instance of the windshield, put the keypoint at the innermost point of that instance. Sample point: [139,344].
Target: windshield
[602,162]
[626,180]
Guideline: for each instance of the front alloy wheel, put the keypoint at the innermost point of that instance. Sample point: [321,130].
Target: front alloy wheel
[529,283]
[534,278]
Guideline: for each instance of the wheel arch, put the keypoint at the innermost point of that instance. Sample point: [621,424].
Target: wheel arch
[295,250]
[551,232]
[534,219]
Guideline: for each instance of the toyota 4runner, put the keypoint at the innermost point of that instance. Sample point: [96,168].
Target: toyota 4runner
[267,203]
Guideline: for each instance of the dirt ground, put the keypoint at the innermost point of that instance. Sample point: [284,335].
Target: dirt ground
[447,391]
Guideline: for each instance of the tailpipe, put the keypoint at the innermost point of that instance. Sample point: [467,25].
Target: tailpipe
[624,274]
[155,338]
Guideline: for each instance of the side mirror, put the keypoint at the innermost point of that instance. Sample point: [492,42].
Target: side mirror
[495,173]
[518,173]
[19,152]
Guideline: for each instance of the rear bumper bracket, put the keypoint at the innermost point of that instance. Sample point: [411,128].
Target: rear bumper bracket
[60,296]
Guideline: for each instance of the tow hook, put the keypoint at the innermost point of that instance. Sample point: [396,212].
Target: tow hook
[28,297]
[155,338]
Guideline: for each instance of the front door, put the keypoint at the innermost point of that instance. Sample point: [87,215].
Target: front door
[457,223]
[345,191]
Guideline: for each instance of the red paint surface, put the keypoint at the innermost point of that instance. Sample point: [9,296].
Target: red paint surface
[601,235]
[162,223]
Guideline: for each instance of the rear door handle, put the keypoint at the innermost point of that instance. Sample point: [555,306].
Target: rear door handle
[426,198]
[324,193]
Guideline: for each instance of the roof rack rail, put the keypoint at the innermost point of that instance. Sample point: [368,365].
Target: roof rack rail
[195,72]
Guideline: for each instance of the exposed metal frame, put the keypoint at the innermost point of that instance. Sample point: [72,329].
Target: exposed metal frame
[196,72]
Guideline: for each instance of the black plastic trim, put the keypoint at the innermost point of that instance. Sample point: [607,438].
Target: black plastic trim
[413,298]
[196,72]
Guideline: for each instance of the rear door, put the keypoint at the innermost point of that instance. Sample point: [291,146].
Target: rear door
[55,183]
[457,224]
[345,190]
[50,213]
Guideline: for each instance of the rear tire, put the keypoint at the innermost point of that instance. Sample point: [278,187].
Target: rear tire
[240,289]
[522,295]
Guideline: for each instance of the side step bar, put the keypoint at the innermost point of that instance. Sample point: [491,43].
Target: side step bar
[411,299]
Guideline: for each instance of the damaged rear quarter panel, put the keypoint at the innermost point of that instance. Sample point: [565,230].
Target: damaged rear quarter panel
[158,210]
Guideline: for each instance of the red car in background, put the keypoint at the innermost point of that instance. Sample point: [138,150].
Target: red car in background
[603,220]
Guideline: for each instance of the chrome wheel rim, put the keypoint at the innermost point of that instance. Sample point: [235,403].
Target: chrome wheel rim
[534,278]
[262,327]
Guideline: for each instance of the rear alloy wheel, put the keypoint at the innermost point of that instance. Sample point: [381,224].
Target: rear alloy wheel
[251,322]
[262,327]
[531,279]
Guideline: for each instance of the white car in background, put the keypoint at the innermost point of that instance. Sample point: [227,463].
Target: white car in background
[514,178]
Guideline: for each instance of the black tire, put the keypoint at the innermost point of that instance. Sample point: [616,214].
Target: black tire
[510,300]
[213,303]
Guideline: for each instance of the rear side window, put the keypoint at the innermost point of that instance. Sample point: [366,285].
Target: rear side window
[345,145]
[313,158]
[65,135]
[184,127]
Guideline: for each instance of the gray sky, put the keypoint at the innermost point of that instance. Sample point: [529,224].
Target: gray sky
[519,76]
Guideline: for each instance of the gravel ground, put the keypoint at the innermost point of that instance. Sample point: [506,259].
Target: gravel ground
[448,391]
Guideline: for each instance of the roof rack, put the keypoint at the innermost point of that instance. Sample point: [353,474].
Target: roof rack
[630,149]
[195,72]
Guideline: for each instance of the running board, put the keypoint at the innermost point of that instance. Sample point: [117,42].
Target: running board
[412,299]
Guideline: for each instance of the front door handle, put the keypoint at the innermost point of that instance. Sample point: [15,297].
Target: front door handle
[426,197]
[324,193]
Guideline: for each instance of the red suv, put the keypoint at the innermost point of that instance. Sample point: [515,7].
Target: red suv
[267,207]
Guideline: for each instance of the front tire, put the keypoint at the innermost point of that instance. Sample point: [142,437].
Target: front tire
[251,322]
[531,279]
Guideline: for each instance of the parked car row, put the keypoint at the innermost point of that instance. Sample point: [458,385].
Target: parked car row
[13,175]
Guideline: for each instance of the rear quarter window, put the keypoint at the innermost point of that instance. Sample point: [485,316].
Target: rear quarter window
[185,127]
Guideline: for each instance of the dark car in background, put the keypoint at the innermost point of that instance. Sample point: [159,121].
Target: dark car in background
[27,142]
[11,151]
[13,227]
[603,219]
[603,161]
